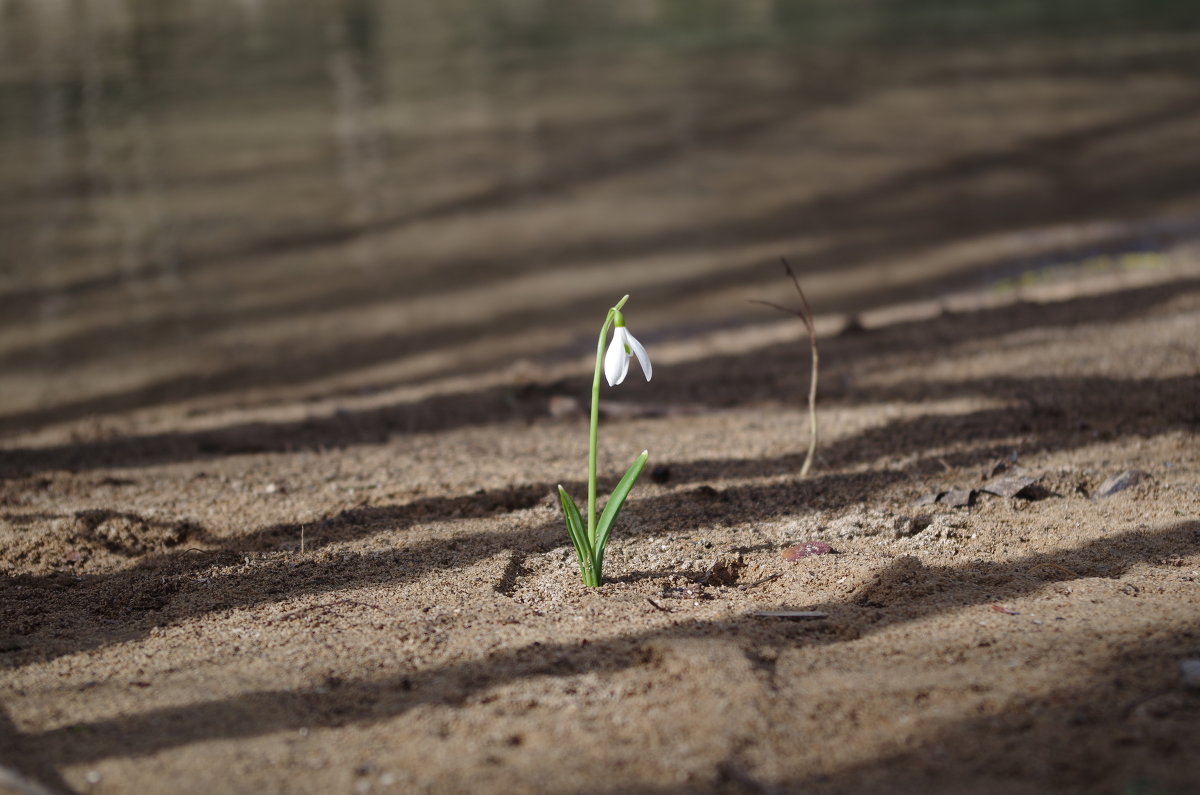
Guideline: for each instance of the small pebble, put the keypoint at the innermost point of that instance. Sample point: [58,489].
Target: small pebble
[1009,485]
[807,549]
[1190,671]
[958,498]
[1120,482]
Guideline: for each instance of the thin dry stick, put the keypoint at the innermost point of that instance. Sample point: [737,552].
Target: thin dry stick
[806,317]
[657,606]
[758,582]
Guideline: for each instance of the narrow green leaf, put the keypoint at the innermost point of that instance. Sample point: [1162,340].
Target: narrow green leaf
[613,506]
[575,527]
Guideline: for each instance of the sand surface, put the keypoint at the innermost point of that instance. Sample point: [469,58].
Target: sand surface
[371,590]
[279,441]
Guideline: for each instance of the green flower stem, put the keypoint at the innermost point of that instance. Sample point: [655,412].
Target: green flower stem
[591,506]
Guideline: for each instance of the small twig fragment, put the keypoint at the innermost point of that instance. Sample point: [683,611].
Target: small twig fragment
[807,318]
[657,606]
[758,582]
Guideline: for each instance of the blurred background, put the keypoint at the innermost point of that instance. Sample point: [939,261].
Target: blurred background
[216,205]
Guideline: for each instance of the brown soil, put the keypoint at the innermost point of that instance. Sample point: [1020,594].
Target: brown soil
[281,519]
[376,594]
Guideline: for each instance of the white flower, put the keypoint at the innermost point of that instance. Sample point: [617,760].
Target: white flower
[623,346]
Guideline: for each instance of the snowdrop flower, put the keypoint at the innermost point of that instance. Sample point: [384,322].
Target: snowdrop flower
[623,346]
[589,535]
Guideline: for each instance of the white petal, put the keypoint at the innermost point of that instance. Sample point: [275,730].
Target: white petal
[616,361]
[643,358]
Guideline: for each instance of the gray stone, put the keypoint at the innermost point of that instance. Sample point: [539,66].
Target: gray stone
[1120,482]
[1008,485]
[1189,670]
[959,498]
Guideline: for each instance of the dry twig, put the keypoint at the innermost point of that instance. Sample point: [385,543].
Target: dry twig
[762,581]
[806,317]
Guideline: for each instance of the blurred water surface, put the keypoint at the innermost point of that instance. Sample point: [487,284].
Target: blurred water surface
[201,197]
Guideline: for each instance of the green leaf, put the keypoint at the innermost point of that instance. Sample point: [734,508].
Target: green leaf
[575,527]
[613,506]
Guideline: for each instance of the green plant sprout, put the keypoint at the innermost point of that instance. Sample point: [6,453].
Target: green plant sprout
[590,542]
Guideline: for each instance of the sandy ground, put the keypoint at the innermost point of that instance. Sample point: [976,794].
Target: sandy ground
[277,513]
[383,598]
